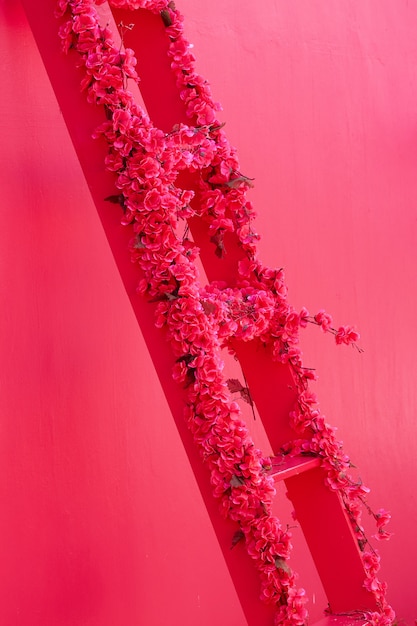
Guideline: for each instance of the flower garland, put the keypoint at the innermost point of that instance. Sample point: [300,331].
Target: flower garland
[200,321]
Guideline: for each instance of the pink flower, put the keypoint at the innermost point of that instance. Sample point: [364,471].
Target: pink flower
[221,223]
[296,606]
[61,8]
[382,518]
[128,62]
[385,618]
[371,562]
[85,21]
[148,166]
[152,200]
[113,162]
[122,120]
[347,335]
[202,111]
[324,320]
[65,32]
[382,535]
[303,317]
[178,49]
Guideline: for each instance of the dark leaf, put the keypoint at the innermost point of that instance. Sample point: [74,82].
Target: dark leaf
[117,199]
[236,182]
[362,544]
[168,295]
[281,564]
[208,307]
[245,395]
[236,481]
[218,240]
[190,379]
[138,243]
[166,17]
[217,127]
[159,298]
[186,358]
[237,537]
[234,385]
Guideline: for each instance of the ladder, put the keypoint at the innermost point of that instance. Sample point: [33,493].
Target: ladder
[319,510]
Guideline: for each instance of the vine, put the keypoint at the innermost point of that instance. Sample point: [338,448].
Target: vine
[199,321]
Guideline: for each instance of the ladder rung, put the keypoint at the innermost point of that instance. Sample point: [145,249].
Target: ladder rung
[284,467]
[342,620]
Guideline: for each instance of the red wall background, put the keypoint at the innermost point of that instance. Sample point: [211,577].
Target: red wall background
[101,522]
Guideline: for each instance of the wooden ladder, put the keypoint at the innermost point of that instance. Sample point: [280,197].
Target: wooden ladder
[319,510]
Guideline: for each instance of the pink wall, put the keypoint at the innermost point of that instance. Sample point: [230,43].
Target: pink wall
[101,521]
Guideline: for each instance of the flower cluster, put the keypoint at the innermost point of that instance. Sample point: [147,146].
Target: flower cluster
[199,321]
[243,313]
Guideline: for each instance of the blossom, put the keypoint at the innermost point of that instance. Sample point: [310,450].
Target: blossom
[382,535]
[65,32]
[128,63]
[296,605]
[61,8]
[386,618]
[85,21]
[347,335]
[371,562]
[152,200]
[122,120]
[382,518]
[149,167]
[323,319]
[303,317]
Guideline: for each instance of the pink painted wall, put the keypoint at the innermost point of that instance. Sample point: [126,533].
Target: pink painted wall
[101,521]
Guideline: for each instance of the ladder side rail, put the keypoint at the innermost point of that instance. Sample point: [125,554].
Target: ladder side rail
[331,541]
